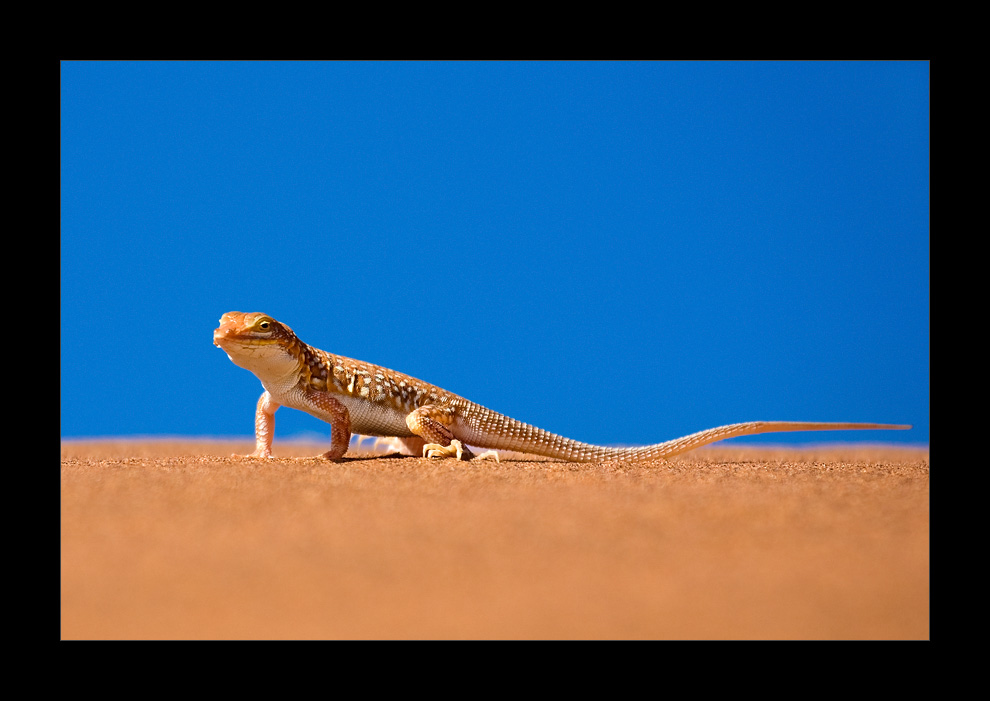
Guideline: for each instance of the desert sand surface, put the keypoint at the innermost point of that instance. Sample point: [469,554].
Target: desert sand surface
[178,540]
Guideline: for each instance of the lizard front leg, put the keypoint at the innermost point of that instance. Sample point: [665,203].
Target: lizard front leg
[322,405]
[328,408]
[264,426]
[432,424]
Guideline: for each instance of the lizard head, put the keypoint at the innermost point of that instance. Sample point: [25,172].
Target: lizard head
[257,342]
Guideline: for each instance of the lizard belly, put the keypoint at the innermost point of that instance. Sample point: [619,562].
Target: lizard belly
[368,418]
[373,419]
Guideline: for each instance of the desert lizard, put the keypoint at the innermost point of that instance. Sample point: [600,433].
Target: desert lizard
[357,397]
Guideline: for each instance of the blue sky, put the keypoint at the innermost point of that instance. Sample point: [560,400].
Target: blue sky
[621,252]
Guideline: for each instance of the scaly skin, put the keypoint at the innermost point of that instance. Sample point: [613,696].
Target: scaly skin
[357,397]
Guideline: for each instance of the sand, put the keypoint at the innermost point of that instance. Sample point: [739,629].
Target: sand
[177,540]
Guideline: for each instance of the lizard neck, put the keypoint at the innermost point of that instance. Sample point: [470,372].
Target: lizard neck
[315,366]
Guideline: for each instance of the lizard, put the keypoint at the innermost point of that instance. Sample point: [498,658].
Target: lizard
[366,399]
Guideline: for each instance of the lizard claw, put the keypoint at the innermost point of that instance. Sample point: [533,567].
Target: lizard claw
[435,450]
[456,449]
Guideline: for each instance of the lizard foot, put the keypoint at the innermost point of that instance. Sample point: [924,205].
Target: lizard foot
[456,449]
[264,455]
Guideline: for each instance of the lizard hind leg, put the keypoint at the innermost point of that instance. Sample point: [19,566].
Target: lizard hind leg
[432,424]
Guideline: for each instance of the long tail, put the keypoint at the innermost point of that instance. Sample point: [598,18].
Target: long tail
[748,428]
[517,436]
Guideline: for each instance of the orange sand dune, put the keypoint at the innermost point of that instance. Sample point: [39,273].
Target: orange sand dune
[178,540]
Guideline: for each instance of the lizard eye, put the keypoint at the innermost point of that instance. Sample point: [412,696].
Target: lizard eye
[264,324]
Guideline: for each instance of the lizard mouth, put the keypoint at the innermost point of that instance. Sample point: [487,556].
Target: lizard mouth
[222,338]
